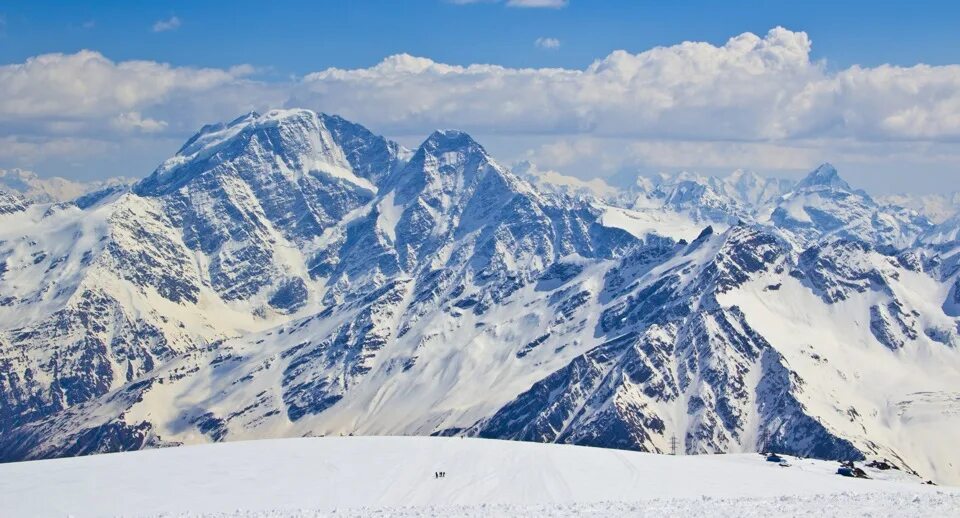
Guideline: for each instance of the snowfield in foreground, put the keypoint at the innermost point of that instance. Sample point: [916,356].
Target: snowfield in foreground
[394,476]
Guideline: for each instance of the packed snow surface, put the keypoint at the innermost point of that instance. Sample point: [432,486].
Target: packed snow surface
[396,476]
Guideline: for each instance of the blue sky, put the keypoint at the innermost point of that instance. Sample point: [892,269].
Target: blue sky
[112,88]
[296,37]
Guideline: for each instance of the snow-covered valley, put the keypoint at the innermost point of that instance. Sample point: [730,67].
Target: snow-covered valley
[397,476]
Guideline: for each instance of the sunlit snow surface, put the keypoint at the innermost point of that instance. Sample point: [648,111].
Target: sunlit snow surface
[396,476]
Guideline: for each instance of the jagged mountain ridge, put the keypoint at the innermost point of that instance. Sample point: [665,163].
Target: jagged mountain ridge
[291,274]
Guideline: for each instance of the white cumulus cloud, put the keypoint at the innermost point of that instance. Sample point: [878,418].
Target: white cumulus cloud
[751,88]
[86,84]
[754,101]
[547,43]
[170,24]
[135,122]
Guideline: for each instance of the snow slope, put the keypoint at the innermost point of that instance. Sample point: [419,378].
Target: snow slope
[396,474]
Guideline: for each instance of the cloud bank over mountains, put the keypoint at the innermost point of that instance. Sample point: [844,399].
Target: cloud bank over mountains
[763,94]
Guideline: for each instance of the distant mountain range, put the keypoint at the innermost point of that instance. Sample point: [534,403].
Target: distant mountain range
[292,274]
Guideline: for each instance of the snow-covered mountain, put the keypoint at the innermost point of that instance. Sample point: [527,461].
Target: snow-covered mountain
[292,274]
[549,181]
[715,198]
[35,189]
[936,207]
[823,206]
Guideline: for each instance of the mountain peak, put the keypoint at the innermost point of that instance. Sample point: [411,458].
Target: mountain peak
[824,176]
[744,176]
[285,114]
[302,140]
[448,140]
[214,134]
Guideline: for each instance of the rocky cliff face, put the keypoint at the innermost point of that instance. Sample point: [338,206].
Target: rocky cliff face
[292,274]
